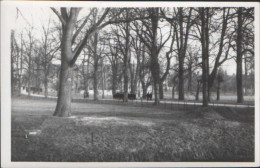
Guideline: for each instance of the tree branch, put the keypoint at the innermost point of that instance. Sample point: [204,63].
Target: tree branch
[81,26]
[59,16]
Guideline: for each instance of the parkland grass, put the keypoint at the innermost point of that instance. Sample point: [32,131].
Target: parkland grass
[116,133]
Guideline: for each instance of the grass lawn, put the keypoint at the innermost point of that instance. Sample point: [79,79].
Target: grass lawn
[97,132]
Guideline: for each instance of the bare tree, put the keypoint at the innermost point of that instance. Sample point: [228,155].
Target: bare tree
[123,38]
[168,65]
[222,43]
[192,62]
[182,22]
[48,48]
[114,59]
[136,68]
[244,43]
[220,79]
[69,54]
[13,56]
[28,59]
[70,50]
[148,34]
[204,20]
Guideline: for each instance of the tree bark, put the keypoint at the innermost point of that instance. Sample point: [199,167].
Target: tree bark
[103,80]
[144,91]
[207,41]
[182,40]
[239,77]
[181,80]
[136,77]
[45,87]
[126,59]
[96,60]
[161,89]
[190,79]
[245,84]
[213,74]
[63,108]
[204,59]
[85,75]
[155,68]
[218,92]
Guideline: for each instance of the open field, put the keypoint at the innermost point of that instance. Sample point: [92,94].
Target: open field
[106,132]
[224,97]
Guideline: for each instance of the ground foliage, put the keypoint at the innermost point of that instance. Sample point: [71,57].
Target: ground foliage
[98,132]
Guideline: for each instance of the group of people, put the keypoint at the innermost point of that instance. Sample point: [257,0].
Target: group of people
[149,96]
[131,96]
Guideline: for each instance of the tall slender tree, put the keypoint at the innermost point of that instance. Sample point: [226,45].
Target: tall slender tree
[239,74]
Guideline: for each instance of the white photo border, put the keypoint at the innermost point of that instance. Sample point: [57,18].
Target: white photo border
[6,84]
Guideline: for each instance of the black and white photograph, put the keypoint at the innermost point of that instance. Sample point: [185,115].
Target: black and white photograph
[129,84]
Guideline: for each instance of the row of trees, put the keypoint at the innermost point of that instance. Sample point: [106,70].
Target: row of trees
[31,58]
[144,45]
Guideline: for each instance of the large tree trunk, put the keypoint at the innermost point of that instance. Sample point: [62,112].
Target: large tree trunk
[206,44]
[87,76]
[181,80]
[245,84]
[95,82]
[144,90]
[96,60]
[161,89]
[126,59]
[155,68]
[181,55]
[63,108]
[213,74]
[136,77]
[125,83]
[103,81]
[204,59]
[164,76]
[218,92]
[197,91]
[45,86]
[190,80]
[182,47]
[239,77]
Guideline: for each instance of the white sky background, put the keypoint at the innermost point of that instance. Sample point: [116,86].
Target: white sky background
[37,16]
